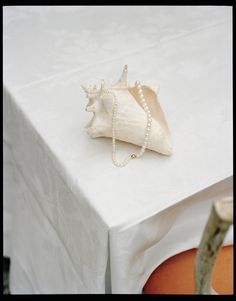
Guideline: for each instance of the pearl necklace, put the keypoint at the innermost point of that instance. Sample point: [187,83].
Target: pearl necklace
[147,129]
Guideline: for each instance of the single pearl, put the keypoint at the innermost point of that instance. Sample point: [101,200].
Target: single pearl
[142,150]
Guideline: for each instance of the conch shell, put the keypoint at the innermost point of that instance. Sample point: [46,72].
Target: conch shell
[131,118]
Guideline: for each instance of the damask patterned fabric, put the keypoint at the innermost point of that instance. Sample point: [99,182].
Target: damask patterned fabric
[73,222]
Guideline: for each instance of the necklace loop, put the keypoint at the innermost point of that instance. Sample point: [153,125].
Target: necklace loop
[147,129]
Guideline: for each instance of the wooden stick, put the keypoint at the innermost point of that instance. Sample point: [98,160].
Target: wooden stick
[219,221]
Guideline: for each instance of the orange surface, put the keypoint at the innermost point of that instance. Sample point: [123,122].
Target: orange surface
[176,274]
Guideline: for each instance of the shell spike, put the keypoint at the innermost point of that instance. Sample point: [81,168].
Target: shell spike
[123,79]
[85,89]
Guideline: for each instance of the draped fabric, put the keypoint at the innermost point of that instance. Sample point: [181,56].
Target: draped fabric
[73,222]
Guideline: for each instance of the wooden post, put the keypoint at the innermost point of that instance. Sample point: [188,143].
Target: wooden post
[219,221]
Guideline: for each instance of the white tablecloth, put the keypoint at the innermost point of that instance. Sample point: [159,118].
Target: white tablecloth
[73,222]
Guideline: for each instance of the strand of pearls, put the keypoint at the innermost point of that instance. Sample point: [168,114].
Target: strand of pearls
[147,129]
